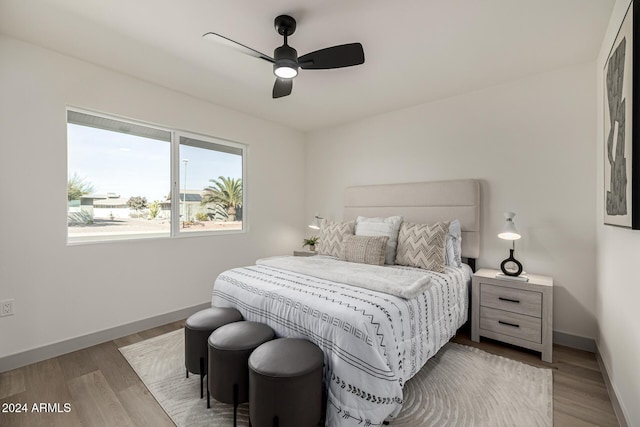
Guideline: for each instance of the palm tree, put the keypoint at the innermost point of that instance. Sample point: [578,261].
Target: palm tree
[226,192]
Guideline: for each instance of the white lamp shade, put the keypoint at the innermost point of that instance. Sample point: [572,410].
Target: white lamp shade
[509,230]
[315,224]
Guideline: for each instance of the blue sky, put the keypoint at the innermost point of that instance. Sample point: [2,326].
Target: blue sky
[130,165]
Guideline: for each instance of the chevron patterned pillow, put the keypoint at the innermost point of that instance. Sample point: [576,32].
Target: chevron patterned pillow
[422,246]
[331,235]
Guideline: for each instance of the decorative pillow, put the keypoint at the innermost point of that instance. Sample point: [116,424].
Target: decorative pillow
[422,246]
[364,249]
[331,236]
[454,245]
[381,227]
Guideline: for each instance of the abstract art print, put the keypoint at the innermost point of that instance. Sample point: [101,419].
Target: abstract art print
[621,157]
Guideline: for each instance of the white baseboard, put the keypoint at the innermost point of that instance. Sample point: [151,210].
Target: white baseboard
[28,357]
[615,402]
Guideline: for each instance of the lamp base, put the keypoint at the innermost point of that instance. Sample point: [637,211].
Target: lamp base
[511,266]
[521,278]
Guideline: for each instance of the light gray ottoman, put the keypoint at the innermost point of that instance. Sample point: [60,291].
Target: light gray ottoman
[285,384]
[197,329]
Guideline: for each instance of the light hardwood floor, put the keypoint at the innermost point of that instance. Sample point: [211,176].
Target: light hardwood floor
[103,390]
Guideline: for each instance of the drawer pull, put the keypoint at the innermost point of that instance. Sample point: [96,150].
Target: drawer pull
[508,324]
[509,300]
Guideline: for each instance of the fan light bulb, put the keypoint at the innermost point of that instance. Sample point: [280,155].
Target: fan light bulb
[285,72]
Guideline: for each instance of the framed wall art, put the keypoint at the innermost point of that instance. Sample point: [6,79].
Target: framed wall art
[621,128]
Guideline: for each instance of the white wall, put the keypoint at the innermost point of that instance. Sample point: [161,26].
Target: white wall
[529,142]
[64,291]
[618,258]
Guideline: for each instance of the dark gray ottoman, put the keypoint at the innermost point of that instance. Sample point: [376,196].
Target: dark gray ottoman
[197,329]
[285,384]
[229,350]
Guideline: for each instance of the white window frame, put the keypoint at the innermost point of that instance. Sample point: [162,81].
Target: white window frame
[175,183]
[175,166]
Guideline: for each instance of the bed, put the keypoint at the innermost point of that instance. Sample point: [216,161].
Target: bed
[373,342]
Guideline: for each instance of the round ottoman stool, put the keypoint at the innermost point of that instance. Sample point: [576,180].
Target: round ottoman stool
[285,383]
[229,350]
[197,329]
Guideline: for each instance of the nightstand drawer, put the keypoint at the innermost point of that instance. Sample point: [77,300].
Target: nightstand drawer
[509,299]
[512,324]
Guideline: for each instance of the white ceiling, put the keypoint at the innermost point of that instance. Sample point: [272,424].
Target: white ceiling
[416,50]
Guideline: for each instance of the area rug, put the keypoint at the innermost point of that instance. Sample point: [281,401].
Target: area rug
[459,386]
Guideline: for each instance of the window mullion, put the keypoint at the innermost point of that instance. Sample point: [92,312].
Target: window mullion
[175,184]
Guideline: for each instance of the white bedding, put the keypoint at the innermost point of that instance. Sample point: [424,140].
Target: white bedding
[373,342]
[405,283]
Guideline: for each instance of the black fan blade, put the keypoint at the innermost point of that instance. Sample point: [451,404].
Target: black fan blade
[344,55]
[237,46]
[282,87]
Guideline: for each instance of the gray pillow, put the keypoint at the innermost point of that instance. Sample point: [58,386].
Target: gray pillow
[422,245]
[364,249]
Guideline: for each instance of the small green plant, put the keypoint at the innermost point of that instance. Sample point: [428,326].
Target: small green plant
[154,209]
[77,187]
[201,216]
[311,242]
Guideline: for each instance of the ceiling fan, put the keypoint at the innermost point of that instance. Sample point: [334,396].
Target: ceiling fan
[286,61]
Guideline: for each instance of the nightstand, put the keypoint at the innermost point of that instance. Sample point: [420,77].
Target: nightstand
[513,311]
[304,253]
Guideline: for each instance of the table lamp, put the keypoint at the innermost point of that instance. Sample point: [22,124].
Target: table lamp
[510,266]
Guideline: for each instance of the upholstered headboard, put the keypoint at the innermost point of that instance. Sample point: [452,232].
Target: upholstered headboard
[424,203]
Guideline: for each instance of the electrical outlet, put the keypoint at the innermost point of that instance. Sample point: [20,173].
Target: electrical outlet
[6,308]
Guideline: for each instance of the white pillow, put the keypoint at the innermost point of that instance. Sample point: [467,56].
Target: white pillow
[454,245]
[381,227]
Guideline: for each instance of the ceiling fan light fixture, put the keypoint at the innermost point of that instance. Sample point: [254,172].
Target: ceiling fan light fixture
[285,71]
[286,62]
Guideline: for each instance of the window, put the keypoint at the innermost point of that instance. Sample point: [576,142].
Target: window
[211,193]
[120,176]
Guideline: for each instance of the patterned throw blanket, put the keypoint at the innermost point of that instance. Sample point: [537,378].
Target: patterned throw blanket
[400,282]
